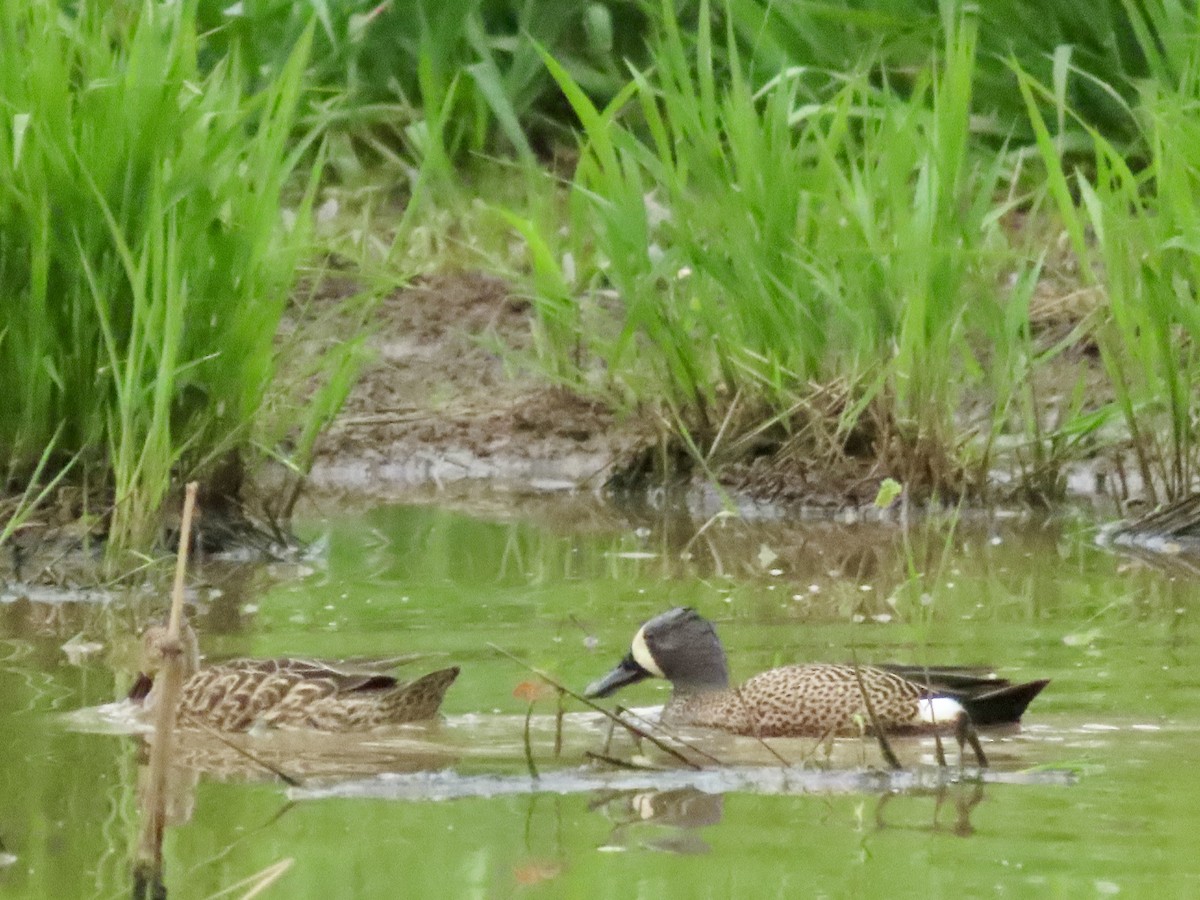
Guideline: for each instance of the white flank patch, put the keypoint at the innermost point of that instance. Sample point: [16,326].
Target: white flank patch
[940,710]
[642,655]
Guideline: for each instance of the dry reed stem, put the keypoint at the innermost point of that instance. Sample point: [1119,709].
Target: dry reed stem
[884,746]
[181,561]
[149,856]
[258,882]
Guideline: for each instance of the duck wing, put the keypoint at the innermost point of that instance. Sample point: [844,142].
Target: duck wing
[987,698]
[342,678]
[948,678]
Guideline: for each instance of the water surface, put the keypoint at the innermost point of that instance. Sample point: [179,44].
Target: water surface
[1096,796]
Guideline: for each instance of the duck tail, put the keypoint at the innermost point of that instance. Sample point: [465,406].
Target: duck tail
[1002,706]
[419,699]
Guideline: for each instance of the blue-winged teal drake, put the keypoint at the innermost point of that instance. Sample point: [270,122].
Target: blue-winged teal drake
[820,700]
[239,694]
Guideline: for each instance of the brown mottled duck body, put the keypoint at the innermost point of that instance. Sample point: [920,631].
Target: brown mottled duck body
[240,694]
[816,700]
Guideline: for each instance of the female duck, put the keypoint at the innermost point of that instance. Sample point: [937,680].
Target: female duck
[241,693]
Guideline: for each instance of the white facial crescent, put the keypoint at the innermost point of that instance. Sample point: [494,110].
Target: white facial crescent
[642,655]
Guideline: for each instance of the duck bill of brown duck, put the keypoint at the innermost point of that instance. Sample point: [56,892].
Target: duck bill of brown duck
[627,672]
[141,688]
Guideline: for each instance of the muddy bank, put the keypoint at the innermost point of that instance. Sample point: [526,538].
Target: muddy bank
[443,414]
[441,404]
[445,402]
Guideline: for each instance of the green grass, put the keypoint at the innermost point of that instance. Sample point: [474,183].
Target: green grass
[1136,233]
[143,251]
[383,74]
[1110,48]
[748,245]
[774,249]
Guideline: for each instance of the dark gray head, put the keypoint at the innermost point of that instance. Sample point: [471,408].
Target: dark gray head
[680,646]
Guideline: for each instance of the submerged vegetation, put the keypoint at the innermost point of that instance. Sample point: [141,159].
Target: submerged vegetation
[937,242]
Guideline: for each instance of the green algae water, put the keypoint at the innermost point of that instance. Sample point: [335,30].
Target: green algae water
[1097,795]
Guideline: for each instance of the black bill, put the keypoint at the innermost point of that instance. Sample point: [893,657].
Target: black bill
[141,687]
[626,672]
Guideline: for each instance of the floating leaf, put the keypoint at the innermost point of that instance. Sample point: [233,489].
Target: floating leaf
[1082,638]
[537,871]
[532,691]
[889,490]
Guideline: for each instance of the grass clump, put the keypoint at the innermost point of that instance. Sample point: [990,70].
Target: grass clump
[422,78]
[755,246]
[144,257]
[789,229]
[1136,232]
[822,257]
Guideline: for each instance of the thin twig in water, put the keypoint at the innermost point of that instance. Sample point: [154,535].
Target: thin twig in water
[258,882]
[289,780]
[624,712]
[246,836]
[884,747]
[716,517]
[533,772]
[632,729]
[619,763]
[558,724]
[757,729]
[612,728]
[826,735]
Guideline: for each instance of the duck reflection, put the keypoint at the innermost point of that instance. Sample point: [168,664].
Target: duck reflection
[295,757]
[665,821]
[963,797]
[669,821]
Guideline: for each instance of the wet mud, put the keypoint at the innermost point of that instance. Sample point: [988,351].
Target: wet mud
[444,402]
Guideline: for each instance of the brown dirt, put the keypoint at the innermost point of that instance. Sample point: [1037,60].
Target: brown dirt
[445,402]
[441,403]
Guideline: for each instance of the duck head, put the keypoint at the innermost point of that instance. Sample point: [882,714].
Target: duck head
[155,649]
[679,645]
